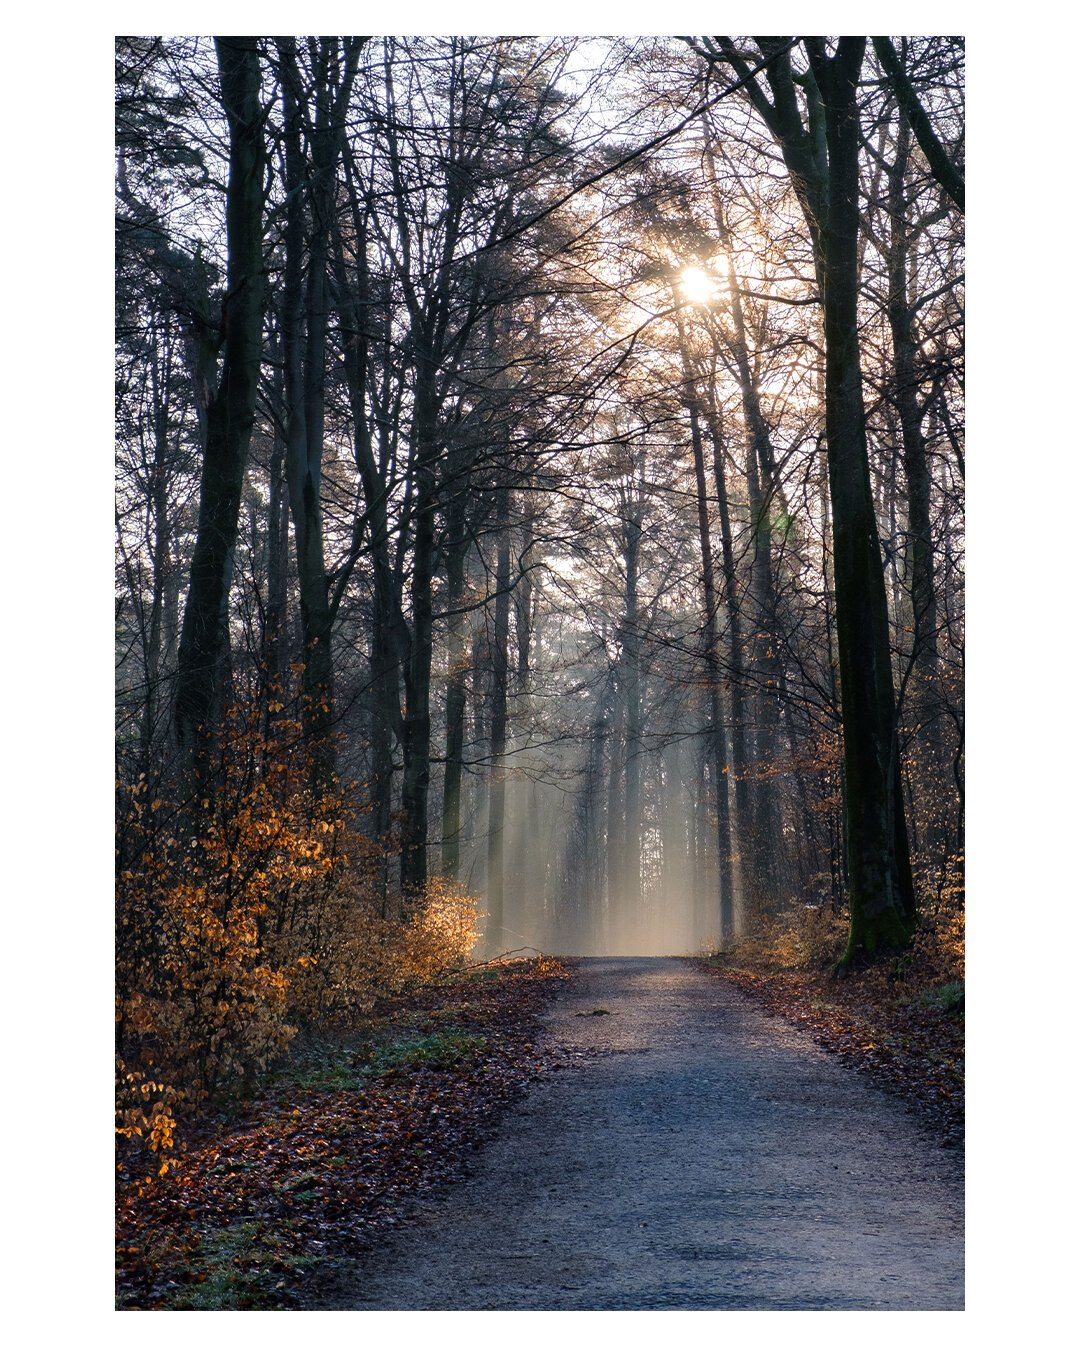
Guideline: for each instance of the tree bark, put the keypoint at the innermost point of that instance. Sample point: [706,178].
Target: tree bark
[744,836]
[920,553]
[631,663]
[387,623]
[880,890]
[500,678]
[230,411]
[717,737]
[456,547]
[310,198]
[416,723]
[823,160]
[761,489]
[159,544]
[274,646]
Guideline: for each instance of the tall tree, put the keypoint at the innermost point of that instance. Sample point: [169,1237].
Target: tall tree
[717,731]
[822,156]
[230,408]
[310,183]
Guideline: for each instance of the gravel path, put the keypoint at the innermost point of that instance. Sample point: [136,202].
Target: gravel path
[699,1155]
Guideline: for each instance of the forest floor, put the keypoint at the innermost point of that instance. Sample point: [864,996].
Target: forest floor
[335,1147]
[698,1151]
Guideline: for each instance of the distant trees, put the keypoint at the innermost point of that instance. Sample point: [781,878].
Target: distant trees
[633,607]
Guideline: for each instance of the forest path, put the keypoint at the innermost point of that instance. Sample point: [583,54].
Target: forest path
[702,1156]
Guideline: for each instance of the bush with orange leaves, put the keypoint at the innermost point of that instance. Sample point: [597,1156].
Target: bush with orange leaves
[200,886]
[355,955]
[242,912]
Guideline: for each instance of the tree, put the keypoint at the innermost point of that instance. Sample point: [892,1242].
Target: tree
[822,156]
[310,183]
[230,406]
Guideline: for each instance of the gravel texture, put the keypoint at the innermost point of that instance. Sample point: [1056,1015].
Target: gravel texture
[694,1154]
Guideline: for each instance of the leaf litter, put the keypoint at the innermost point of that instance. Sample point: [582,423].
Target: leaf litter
[336,1147]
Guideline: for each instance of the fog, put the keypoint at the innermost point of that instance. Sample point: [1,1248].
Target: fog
[576,879]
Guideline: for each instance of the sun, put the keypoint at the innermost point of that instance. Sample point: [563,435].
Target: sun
[698,286]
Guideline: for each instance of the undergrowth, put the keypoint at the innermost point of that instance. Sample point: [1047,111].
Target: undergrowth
[269,1194]
[245,914]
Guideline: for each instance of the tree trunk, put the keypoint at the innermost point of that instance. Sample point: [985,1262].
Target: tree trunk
[920,553]
[746,850]
[159,546]
[823,160]
[761,489]
[310,198]
[274,654]
[500,678]
[230,411]
[614,860]
[632,823]
[457,544]
[387,624]
[416,723]
[880,890]
[725,878]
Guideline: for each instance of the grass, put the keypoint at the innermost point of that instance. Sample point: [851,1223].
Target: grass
[385,1052]
[240,1266]
[449,1049]
[945,998]
[218,1281]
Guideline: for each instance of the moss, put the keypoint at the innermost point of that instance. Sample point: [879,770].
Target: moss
[873,934]
[449,1049]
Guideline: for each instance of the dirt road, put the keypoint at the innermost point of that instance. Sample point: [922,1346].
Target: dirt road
[699,1155]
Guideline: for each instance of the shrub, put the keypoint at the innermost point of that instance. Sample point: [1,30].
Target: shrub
[441,933]
[199,888]
[809,937]
[353,955]
[144,1111]
[244,914]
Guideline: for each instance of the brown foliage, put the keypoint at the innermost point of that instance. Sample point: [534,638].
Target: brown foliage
[242,914]
[262,1203]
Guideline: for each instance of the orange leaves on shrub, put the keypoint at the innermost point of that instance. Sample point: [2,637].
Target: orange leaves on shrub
[358,955]
[144,1111]
[244,914]
[441,933]
[202,997]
